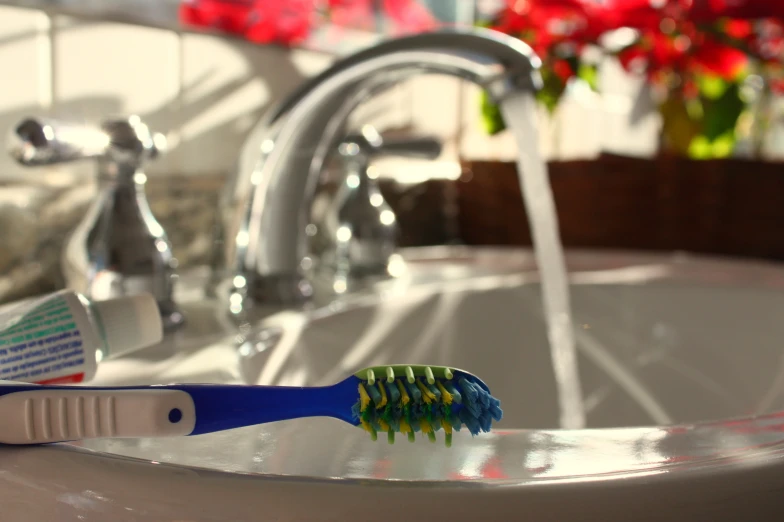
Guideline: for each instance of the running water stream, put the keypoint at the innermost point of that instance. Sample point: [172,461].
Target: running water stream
[519,112]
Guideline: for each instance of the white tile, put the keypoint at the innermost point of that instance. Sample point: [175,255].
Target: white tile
[225,87]
[435,109]
[25,82]
[630,121]
[107,70]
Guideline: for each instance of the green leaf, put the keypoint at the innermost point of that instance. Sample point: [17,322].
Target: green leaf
[700,148]
[573,61]
[695,109]
[723,146]
[589,74]
[492,119]
[721,115]
[711,87]
[552,89]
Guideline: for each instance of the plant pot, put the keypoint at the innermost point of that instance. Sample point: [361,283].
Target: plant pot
[723,207]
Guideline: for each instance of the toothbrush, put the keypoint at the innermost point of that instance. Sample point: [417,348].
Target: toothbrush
[394,399]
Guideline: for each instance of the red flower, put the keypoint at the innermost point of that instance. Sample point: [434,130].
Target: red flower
[407,16]
[263,21]
[230,17]
[563,70]
[738,29]
[721,60]
[549,27]
[281,21]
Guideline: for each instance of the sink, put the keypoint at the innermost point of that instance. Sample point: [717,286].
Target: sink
[681,367]
[661,341]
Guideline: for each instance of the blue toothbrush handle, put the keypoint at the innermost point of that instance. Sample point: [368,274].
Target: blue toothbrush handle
[222,407]
[33,414]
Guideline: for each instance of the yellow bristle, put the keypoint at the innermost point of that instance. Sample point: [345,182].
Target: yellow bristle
[447,427]
[427,395]
[404,427]
[384,425]
[364,398]
[446,397]
[425,426]
[366,426]
[383,392]
[405,399]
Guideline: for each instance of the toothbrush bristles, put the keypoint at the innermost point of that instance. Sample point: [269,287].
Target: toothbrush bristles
[424,402]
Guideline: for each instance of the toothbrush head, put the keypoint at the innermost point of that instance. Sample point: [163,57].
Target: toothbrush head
[417,398]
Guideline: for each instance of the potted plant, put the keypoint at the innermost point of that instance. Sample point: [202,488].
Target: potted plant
[713,68]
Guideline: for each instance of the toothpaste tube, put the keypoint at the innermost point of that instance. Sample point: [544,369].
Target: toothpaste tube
[60,338]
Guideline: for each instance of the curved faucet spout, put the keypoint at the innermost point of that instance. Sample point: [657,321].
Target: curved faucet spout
[266,213]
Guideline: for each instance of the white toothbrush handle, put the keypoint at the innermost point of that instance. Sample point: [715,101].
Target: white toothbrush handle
[42,415]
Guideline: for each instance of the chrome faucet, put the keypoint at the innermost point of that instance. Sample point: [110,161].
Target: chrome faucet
[355,236]
[119,247]
[265,213]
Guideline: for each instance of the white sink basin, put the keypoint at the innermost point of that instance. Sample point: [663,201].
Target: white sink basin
[670,349]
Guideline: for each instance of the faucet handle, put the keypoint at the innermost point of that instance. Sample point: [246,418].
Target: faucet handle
[369,142]
[118,248]
[43,141]
[423,147]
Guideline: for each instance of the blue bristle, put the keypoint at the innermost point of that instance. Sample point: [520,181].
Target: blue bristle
[457,397]
[435,391]
[470,421]
[394,424]
[413,391]
[469,390]
[374,394]
[495,410]
[375,424]
[483,397]
[355,410]
[471,394]
[456,422]
[485,421]
[474,407]
[392,392]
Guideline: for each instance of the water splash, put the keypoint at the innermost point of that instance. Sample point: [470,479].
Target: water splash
[519,111]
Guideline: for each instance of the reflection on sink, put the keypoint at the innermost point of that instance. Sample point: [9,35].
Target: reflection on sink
[662,341]
[659,341]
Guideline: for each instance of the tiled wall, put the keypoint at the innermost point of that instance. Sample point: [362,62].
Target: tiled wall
[205,92]
[201,91]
